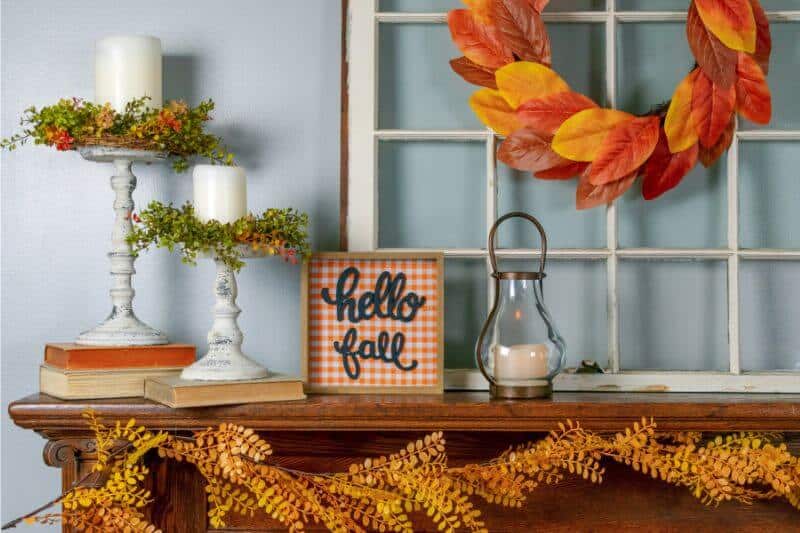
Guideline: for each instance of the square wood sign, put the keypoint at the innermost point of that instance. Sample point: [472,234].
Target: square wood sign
[373,322]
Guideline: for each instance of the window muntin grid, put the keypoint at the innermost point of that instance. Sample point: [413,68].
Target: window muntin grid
[364,22]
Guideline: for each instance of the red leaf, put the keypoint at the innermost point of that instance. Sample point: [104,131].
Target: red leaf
[753,99]
[588,195]
[562,172]
[717,60]
[709,156]
[478,42]
[731,21]
[763,37]
[473,72]
[539,5]
[522,30]
[625,149]
[712,107]
[545,115]
[664,170]
[525,150]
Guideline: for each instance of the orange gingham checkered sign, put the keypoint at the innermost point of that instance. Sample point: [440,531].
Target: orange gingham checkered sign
[325,364]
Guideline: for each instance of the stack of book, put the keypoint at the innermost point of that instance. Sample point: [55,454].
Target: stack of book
[79,372]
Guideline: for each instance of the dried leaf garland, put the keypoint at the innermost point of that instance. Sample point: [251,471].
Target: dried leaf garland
[381,493]
[709,156]
[763,37]
[589,195]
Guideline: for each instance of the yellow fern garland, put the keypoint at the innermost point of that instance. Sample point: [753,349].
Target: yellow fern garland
[381,493]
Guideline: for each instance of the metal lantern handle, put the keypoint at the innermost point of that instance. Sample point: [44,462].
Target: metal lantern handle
[492,245]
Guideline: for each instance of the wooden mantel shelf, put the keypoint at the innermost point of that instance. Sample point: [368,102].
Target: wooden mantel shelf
[346,429]
[464,411]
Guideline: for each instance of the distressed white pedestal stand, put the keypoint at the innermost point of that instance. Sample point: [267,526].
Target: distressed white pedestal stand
[121,328]
[225,360]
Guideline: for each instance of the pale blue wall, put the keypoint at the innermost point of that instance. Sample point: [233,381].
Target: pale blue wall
[273,69]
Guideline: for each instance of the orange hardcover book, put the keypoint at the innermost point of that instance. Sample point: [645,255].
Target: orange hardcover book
[71,356]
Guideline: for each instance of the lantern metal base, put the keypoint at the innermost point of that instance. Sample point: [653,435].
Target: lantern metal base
[536,389]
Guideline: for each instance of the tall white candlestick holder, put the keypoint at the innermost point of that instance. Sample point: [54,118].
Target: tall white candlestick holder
[225,360]
[122,327]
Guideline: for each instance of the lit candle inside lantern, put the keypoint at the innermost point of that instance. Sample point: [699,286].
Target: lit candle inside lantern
[127,67]
[220,193]
[521,362]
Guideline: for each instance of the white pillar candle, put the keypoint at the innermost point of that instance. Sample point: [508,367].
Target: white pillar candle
[127,67]
[220,193]
[521,362]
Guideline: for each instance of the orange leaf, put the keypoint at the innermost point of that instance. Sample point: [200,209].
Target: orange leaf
[665,170]
[545,115]
[717,60]
[563,172]
[481,9]
[625,149]
[588,195]
[712,107]
[525,150]
[763,37]
[753,99]
[522,81]
[494,111]
[539,5]
[477,41]
[732,21]
[580,136]
[473,72]
[709,156]
[522,29]
[681,131]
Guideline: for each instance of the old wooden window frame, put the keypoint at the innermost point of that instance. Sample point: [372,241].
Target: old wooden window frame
[359,202]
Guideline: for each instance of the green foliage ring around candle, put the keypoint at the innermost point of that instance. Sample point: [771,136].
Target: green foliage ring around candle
[176,129]
[276,231]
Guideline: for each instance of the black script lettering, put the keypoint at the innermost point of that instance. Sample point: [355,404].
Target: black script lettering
[384,350]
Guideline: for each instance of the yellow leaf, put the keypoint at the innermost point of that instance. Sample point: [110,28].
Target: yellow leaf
[580,136]
[679,126]
[521,81]
[731,21]
[494,111]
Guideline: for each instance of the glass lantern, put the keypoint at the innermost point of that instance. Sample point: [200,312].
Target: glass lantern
[519,350]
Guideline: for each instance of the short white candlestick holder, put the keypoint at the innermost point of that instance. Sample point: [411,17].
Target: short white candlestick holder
[121,328]
[225,360]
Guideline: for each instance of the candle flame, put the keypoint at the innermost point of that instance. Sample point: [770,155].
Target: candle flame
[518,314]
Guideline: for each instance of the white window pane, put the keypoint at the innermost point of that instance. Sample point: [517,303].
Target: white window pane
[693,215]
[579,57]
[465,309]
[673,315]
[431,194]
[769,194]
[416,87]
[553,203]
[652,59]
[576,296]
[784,81]
[770,305]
